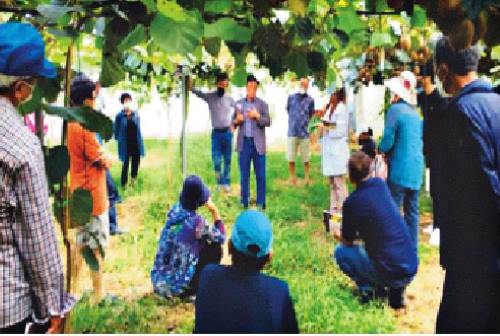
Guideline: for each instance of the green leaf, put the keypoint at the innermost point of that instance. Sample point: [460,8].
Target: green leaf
[419,18]
[57,164]
[218,6]
[177,37]
[381,40]
[112,71]
[228,30]
[53,12]
[495,53]
[50,88]
[58,208]
[212,45]
[381,5]
[91,120]
[172,10]
[32,104]
[318,7]
[239,77]
[90,258]
[349,21]
[80,207]
[304,28]
[297,62]
[135,37]
[316,61]
[150,4]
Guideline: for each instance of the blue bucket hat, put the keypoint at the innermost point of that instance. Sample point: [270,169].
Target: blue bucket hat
[22,52]
[194,193]
[252,228]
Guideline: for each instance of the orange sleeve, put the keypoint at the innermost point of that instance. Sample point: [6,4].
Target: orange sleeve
[90,146]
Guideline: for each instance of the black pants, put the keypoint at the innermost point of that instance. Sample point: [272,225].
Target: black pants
[20,328]
[135,159]
[210,254]
[470,304]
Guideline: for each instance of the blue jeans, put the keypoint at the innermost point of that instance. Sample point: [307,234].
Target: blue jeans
[409,199]
[113,197]
[222,147]
[355,263]
[248,155]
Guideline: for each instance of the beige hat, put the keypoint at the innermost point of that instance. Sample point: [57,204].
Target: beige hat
[404,86]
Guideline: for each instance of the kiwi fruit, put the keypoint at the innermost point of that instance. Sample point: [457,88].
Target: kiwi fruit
[463,35]
[396,4]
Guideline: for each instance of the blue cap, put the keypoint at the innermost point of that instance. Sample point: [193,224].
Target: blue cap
[252,228]
[22,51]
[194,193]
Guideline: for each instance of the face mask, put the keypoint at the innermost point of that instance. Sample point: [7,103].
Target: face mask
[220,91]
[127,106]
[302,91]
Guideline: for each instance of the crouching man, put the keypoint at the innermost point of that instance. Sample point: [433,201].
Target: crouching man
[386,261]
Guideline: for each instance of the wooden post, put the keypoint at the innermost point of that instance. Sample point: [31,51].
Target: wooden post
[185,107]
[65,192]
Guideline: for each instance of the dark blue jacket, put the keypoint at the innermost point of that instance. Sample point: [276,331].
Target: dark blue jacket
[232,301]
[120,132]
[468,179]
[370,213]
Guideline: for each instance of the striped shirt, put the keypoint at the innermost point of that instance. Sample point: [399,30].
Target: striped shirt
[30,265]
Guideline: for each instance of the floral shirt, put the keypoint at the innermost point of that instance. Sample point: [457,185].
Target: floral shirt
[183,237]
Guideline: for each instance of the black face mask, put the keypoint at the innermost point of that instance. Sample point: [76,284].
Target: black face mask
[220,92]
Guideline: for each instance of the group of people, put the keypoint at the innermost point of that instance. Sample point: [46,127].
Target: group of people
[462,146]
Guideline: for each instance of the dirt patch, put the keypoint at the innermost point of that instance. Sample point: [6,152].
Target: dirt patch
[423,298]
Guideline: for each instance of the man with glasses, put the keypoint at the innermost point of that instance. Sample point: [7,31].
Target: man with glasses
[32,289]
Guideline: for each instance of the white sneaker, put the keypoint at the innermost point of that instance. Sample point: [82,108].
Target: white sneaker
[227,188]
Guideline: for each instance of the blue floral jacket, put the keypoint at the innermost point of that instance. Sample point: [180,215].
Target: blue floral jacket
[184,235]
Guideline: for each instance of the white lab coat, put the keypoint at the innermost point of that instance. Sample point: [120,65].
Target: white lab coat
[334,143]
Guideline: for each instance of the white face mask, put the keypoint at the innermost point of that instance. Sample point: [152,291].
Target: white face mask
[302,91]
[127,106]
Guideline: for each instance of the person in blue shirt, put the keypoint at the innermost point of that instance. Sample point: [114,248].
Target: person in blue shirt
[402,143]
[239,298]
[127,131]
[300,108]
[387,259]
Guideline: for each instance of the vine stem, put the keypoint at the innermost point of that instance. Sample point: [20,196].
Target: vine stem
[64,194]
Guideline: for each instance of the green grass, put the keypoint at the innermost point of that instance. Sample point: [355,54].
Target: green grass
[324,299]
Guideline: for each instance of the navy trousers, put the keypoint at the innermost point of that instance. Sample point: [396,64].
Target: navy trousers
[249,155]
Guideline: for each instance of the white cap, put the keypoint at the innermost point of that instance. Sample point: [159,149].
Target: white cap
[404,86]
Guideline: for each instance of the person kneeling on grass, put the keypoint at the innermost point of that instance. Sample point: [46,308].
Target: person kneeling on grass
[390,259]
[187,242]
[238,298]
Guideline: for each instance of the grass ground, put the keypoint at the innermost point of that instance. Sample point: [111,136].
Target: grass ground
[324,299]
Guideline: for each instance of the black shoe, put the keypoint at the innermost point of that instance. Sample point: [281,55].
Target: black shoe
[118,231]
[397,297]
[366,296]
[326,220]
[380,292]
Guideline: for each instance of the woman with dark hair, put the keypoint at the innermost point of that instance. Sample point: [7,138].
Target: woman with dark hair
[335,149]
[127,130]
[188,242]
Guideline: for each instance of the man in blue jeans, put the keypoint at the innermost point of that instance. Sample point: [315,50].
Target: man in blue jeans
[402,142]
[221,108]
[252,117]
[388,259]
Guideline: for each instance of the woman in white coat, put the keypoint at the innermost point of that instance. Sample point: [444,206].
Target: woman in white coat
[335,149]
